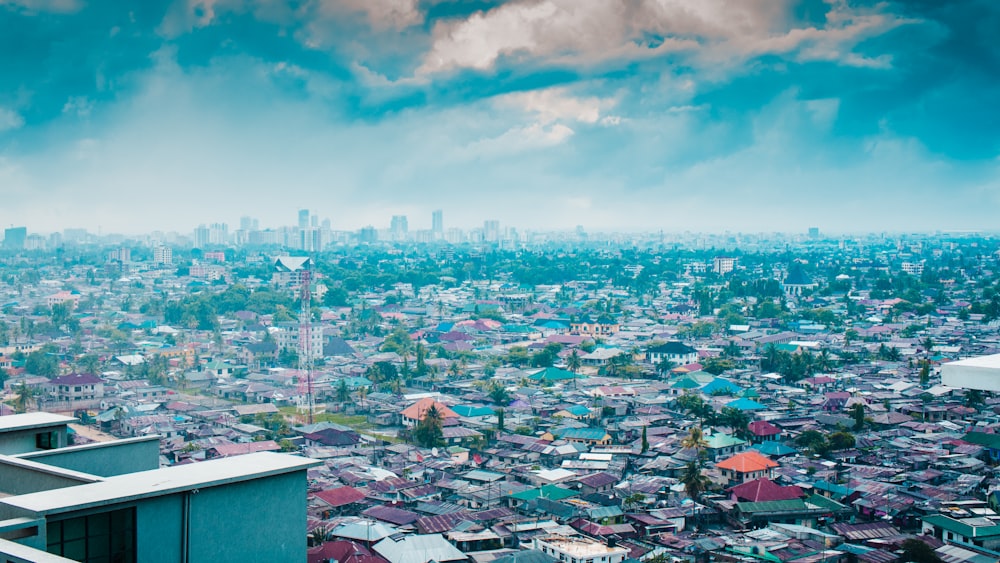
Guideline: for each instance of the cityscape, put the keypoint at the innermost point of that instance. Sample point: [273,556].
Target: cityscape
[499,281]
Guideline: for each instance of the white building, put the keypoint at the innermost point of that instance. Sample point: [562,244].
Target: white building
[580,550]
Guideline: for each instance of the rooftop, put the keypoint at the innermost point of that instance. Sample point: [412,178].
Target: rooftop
[161,481]
[31,420]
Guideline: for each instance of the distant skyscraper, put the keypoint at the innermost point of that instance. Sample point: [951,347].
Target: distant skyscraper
[303,218]
[14,238]
[398,227]
[437,222]
[491,230]
[163,256]
[201,236]
[368,234]
[813,232]
[248,224]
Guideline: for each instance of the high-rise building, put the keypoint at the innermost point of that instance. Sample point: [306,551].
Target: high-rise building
[14,238]
[163,256]
[491,230]
[368,235]
[437,222]
[303,218]
[398,227]
[249,224]
[201,236]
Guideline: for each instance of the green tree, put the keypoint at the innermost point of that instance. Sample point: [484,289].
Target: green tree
[398,341]
[974,399]
[573,362]
[840,441]
[695,440]
[857,412]
[694,481]
[736,419]
[645,442]
[499,394]
[814,441]
[428,432]
[917,551]
[925,373]
[500,421]
[42,362]
[343,393]
[25,399]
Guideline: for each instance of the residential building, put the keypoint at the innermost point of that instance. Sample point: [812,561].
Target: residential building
[579,549]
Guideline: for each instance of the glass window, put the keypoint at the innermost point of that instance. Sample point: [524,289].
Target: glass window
[47,440]
[106,537]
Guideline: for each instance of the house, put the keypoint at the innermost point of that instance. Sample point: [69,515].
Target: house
[677,353]
[746,466]
[591,436]
[77,387]
[418,548]
[414,413]
[975,531]
[579,549]
[603,326]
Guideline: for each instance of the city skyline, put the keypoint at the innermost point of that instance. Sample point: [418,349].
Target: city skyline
[759,116]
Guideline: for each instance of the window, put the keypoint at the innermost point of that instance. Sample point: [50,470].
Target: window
[47,440]
[107,537]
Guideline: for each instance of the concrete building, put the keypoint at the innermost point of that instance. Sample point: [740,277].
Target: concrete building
[110,501]
[580,550]
[981,372]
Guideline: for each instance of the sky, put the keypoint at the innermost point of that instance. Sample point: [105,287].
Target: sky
[628,115]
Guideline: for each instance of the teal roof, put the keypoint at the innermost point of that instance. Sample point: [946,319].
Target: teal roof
[686,383]
[984,439]
[551,492]
[745,404]
[772,506]
[553,374]
[965,527]
[470,411]
[831,487]
[718,441]
[772,447]
[721,384]
[577,410]
[823,502]
[596,434]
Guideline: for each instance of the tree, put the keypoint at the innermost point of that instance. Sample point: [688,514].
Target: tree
[26,397]
[814,441]
[925,373]
[500,421]
[841,440]
[974,399]
[343,393]
[428,432]
[573,362]
[645,443]
[736,419]
[695,440]
[398,341]
[42,362]
[695,483]
[857,411]
[499,395]
[917,551]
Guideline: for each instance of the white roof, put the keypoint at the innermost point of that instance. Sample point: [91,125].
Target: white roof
[30,420]
[157,482]
[418,549]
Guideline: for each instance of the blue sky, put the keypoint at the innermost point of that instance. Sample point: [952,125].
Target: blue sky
[702,115]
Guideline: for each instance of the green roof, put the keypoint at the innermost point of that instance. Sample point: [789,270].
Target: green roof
[968,527]
[552,374]
[551,492]
[985,439]
[823,502]
[718,441]
[791,505]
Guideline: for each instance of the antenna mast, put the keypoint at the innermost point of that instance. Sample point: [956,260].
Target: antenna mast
[305,335]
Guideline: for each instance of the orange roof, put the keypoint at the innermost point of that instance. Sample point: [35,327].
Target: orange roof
[747,462]
[416,410]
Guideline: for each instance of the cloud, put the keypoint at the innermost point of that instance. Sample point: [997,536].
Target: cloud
[9,120]
[556,104]
[588,33]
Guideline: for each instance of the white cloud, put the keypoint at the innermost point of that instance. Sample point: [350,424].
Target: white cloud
[10,120]
[382,14]
[595,31]
[556,104]
[519,139]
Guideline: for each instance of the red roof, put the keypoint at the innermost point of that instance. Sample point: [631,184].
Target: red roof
[747,462]
[764,428]
[762,490]
[76,379]
[344,552]
[416,410]
[340,496]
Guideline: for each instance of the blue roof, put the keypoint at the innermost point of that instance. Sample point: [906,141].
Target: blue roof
[469,411]
[772,447]
[582,433]
[721,384]
[577,410]
[745,404]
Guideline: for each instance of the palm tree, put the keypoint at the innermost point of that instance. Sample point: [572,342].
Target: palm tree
[736,419]
[694,481]
[26,398]
[573,362]
[695,440]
